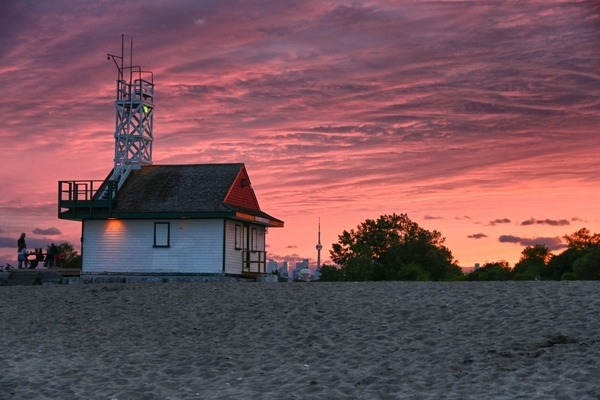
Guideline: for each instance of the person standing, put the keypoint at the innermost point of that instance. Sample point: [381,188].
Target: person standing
[22,257]
[22,251]
[21,242]
[51,256]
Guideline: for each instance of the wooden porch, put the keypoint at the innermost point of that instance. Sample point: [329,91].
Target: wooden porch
[254,264]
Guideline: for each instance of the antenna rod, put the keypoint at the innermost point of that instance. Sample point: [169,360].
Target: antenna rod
[122,47]
[319,246]
[131,61]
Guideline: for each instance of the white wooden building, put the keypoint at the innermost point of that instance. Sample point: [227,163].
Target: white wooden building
[201,219]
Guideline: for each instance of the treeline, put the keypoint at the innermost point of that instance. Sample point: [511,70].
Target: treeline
[394,248]
[580,261]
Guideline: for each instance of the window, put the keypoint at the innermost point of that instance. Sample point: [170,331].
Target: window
[254,240]
[238,237]
[162,234]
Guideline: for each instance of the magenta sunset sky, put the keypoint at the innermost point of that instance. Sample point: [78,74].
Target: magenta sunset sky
[477,119]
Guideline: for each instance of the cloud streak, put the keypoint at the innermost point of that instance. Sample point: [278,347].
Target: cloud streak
[553,243]
[551,222]
[49,231]
[477,236]
[499,221]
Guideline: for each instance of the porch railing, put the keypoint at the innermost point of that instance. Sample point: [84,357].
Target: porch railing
[255,261]
[77,199]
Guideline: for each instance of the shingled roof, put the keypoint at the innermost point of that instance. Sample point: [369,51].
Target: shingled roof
[184,189]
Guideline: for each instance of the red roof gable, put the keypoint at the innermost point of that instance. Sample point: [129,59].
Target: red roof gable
[241,193]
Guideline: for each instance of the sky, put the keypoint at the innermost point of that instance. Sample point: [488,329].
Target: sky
[478,119]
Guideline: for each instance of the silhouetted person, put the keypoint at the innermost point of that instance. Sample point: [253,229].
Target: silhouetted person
[51,256]
[38,257]
[22,257]
[20,245]
[21,242]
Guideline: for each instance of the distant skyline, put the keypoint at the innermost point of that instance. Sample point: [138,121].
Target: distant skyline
[477,119]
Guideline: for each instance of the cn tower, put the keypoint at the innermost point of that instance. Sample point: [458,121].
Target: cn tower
[319,247]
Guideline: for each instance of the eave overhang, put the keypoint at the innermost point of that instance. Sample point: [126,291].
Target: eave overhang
[98,215]
[241,216]
[271,223]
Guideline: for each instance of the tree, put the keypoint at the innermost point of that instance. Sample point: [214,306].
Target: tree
[380,249]
[330,273]
[560,266]
[588,266]
[69,258]
[75,262]
[581,260]
[491,271]
[582,239]
[533,262]
[413,272]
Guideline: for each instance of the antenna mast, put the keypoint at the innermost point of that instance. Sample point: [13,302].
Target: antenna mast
[134,115]
[319,247]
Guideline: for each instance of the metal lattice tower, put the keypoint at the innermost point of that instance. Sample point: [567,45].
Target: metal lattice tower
[134,113]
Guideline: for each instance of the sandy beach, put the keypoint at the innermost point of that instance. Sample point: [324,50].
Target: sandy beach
[375,340]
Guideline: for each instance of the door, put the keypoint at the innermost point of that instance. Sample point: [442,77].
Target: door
[246,248]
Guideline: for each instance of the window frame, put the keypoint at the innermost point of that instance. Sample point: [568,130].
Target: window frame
[239,237]
[157,238]
[254,239]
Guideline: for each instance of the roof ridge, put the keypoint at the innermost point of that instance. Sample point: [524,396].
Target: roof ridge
[188,165]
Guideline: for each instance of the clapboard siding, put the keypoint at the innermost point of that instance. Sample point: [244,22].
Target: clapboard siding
[233,257]
[126,246]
